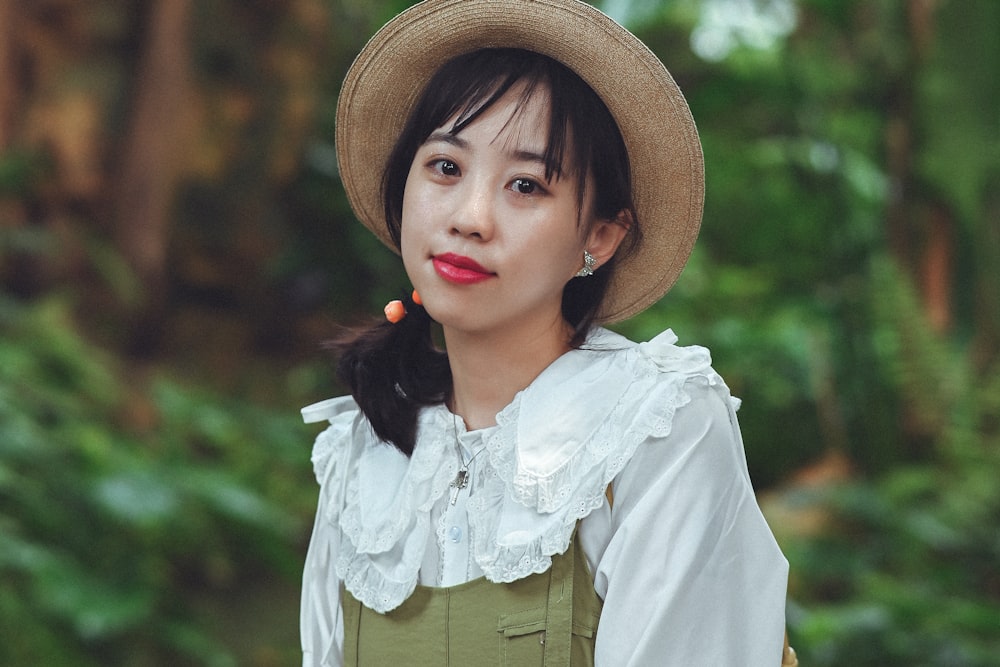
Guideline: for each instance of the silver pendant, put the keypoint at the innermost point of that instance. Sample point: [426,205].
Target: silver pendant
[461,481]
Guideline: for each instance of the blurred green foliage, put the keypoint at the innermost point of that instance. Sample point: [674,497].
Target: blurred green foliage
[117,535]
[904,571]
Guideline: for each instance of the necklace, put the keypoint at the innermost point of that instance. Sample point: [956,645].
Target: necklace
[462,478]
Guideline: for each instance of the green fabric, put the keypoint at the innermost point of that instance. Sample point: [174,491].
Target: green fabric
[548,619]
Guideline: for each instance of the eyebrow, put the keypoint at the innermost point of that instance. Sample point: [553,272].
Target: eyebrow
[455,140]
[448,138]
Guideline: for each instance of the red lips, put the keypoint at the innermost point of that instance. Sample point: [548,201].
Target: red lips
[460,269]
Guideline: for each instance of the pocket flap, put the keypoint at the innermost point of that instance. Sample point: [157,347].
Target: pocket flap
[522,622]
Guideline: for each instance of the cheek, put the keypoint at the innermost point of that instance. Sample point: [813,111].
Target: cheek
[410,245]
[570,244]
[407,208]
[416,237]
[410,220]
[572,261]
[415,221]
[558,256]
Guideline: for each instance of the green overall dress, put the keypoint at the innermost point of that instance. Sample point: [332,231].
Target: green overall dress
[548,619]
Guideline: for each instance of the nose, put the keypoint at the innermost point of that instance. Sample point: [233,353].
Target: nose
[474,217]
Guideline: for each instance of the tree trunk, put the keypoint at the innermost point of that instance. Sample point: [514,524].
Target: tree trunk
[8,72]
[150,162]
[937,271]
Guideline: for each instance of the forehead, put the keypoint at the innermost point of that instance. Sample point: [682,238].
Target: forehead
[521,116]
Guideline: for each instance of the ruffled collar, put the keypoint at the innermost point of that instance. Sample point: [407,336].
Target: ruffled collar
[548,461]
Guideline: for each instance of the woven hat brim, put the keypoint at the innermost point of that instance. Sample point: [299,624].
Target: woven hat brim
[391,71]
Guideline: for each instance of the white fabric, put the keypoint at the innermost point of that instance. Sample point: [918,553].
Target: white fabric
[687,567]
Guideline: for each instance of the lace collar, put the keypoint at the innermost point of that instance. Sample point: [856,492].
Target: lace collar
[549,459]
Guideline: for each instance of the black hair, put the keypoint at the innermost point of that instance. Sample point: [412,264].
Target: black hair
[393,370]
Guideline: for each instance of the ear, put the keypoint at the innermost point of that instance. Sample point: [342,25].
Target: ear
[606,235]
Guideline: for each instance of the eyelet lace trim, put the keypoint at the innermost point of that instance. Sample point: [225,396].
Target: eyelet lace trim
[380,556]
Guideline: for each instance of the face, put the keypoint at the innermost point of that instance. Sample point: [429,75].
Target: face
[486,240]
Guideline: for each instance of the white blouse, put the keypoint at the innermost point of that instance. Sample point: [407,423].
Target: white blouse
[683,559]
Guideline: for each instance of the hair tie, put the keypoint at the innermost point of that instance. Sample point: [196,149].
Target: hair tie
[395,310]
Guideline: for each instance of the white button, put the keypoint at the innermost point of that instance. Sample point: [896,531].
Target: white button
[455,534]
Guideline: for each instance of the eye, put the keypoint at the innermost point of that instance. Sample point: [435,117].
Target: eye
[525,186]
[446,167]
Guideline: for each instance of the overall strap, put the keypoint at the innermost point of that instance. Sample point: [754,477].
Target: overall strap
[351,613]
[559,611]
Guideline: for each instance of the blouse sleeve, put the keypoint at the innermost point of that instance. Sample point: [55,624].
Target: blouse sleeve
[691,574]
[321,624]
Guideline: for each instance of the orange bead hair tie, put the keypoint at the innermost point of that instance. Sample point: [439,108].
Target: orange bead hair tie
[395,311]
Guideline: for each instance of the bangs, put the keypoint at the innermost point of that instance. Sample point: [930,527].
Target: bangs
[484,94]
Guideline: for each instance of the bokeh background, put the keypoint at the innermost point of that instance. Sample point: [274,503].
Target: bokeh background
[175,247]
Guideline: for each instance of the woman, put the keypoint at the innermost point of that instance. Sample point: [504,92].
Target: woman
[541,491]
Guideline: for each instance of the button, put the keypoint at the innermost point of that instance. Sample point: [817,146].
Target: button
[455,534]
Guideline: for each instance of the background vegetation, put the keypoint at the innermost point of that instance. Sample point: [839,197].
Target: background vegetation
[175,244]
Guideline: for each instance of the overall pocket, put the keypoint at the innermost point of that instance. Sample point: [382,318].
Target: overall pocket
[522,638]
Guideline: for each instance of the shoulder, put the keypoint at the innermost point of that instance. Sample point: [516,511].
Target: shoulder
[679,401]
[691,452]
[673,414]
[659,356]
[643,385]
[585,416]
[344,418]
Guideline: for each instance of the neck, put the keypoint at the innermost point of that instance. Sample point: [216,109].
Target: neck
[489,369]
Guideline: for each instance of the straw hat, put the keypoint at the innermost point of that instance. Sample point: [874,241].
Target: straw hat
[665,154]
